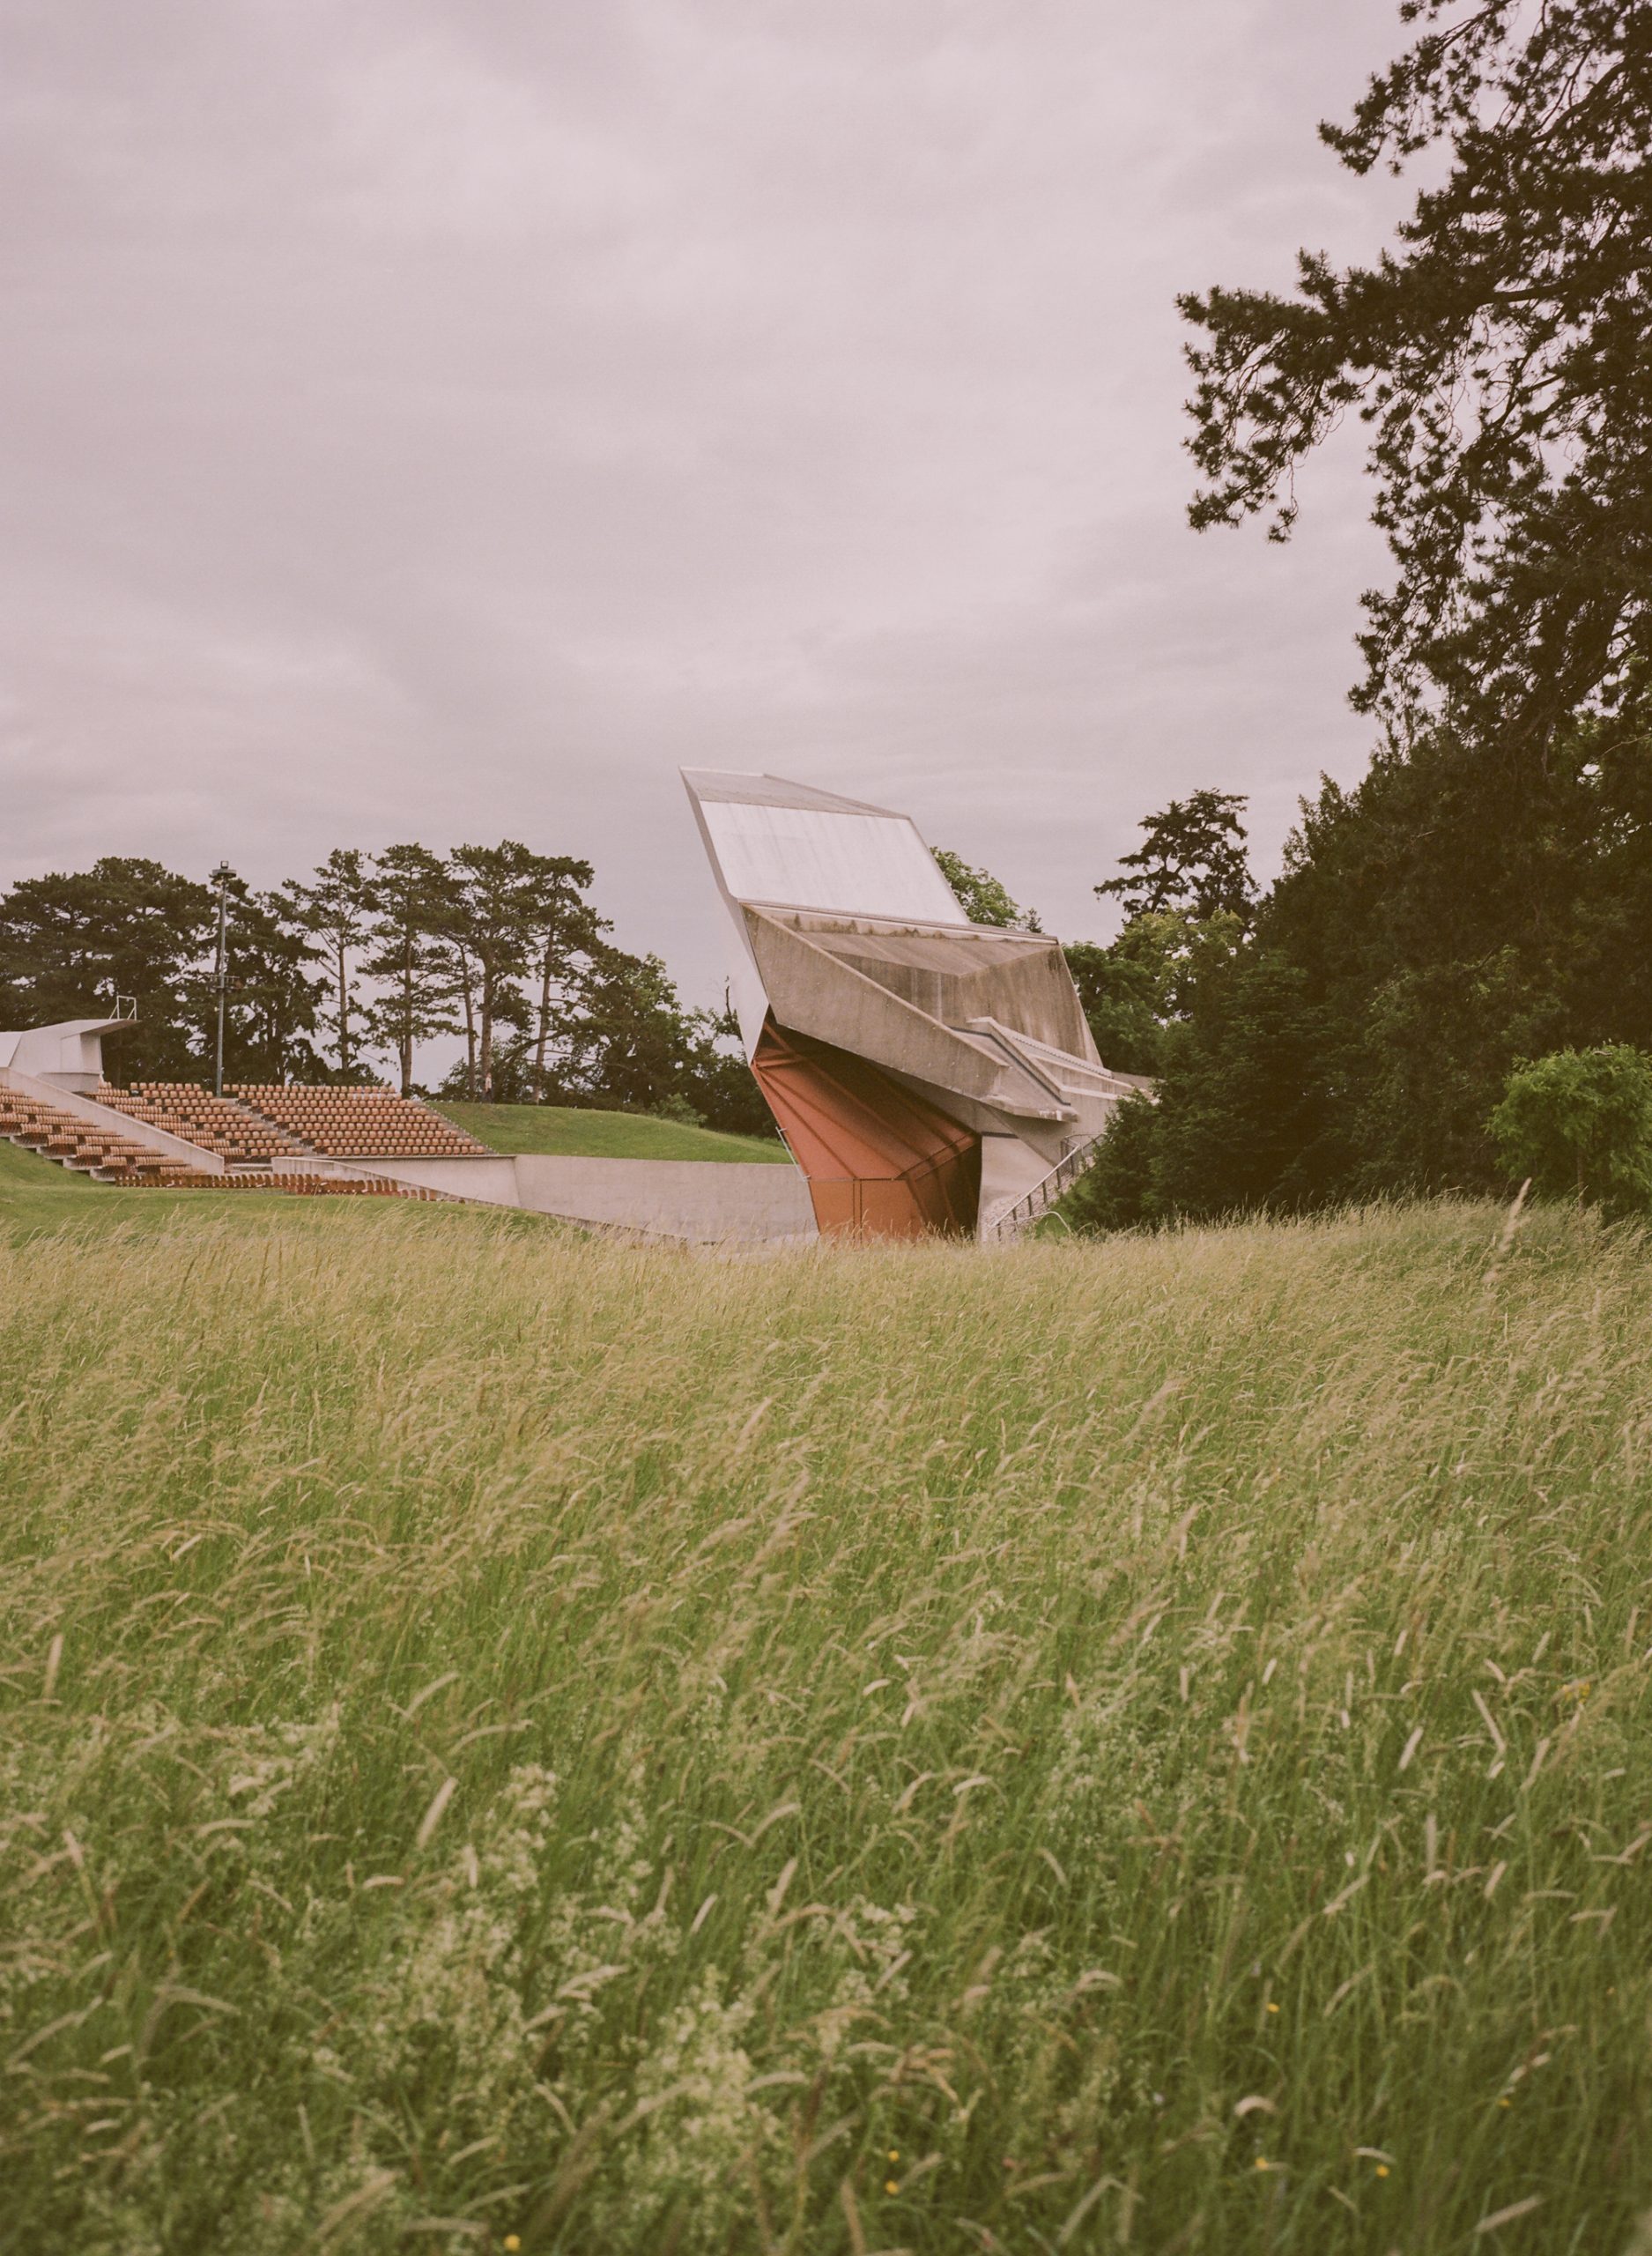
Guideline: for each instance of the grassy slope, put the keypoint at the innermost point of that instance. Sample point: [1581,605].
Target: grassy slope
[604,1135]
[38,1197]
[1129,1745]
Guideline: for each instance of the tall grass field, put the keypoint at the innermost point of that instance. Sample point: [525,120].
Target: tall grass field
[517,1742]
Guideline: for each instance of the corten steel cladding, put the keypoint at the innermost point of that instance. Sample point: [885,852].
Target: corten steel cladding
[879,1160]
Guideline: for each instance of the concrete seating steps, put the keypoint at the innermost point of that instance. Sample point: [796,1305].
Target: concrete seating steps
[321,1186]
[86,1148]
[357,1122]
[215,1123]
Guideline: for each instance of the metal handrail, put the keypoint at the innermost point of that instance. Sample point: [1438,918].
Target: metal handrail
[1044,1193]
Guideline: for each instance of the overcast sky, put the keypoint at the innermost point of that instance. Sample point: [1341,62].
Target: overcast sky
[443,418]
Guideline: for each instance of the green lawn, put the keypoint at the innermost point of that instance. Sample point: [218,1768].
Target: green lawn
[511,1738]
[37,1196]
[513,1128]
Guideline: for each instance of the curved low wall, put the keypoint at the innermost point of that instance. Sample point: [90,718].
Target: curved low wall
[711,1202]
[705,1202]
[493,1181]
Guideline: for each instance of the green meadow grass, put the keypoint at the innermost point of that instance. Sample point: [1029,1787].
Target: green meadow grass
[37,1196]
[570,1131]
[510,1740]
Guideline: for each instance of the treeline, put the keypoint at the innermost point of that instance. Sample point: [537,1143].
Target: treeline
[364,962]
[1484,896]
[1351,1033]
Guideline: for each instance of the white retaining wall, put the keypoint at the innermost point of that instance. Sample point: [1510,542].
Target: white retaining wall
[493,1181]
[708,1202]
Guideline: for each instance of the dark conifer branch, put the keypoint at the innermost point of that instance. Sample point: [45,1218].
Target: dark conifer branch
[1503,355]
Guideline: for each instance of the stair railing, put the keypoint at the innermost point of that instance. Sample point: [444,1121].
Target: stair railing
[1015,1220]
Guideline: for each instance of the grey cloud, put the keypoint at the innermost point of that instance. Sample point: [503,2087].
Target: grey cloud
[439,419]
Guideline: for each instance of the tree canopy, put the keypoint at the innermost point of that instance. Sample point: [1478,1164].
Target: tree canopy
[71,941]
[1483,896]
[1501,353]
[1193,864]
[1579,1123]
[984,898]
[370,956]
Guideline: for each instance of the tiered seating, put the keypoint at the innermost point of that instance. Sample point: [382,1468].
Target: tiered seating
[57,1134]
[238,1137]
[370,1123]
[321,1186]
[72,1142]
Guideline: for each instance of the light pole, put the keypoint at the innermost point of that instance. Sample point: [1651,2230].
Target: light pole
[221,876]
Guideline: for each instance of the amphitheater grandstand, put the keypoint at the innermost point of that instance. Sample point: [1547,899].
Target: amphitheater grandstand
[57,1100]
[356,1123]
[88,1149]
[249,1147]
[305,1142]
[212,1122]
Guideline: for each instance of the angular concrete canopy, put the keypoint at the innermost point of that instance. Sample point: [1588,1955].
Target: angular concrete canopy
[68,1054]
[925,1071]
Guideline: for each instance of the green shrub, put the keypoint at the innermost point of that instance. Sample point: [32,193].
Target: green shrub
[1579,1123]
[1116,1191]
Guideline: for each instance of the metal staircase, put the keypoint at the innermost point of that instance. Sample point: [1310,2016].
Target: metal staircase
[1015,1222]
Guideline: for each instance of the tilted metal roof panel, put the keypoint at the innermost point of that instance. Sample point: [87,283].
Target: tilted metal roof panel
[786,846]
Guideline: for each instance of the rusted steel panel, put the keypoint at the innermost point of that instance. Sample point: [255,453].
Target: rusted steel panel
[880,1162]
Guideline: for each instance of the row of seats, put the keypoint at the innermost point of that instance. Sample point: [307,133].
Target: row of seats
[358,1123]
[315,1186]
[213,1123]
[65,1138]
[75,1143]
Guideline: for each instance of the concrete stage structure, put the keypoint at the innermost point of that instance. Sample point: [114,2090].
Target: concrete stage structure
[66,1056]
[928,1074]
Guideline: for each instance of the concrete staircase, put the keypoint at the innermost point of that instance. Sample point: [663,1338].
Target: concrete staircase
[1013,1222]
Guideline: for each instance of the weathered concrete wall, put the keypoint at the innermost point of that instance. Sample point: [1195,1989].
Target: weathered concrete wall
[710,1202]
[1009,1169]
[493,1180]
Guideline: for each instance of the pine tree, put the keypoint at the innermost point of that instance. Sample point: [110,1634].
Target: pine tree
[1194,863]
[566,943]
[1502,353]
[335,906]
[408,895]
[495,894]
